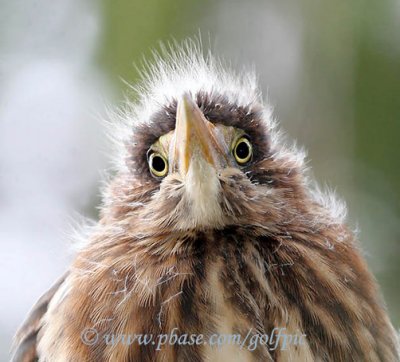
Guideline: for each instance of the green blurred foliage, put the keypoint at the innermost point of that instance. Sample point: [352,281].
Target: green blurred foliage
[377,94]
[133,27]
[377,124]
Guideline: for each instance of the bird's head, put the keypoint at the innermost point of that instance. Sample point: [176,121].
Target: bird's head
[203,154]
[202,165]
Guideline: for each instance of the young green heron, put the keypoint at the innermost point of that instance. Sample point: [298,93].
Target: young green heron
[210,227]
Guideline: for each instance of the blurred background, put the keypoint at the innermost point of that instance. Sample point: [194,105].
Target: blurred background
[330,69]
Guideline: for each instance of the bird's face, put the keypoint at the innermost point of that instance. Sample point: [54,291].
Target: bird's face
[197,155]
[204,170]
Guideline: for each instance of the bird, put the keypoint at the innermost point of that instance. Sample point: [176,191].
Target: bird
[213,242]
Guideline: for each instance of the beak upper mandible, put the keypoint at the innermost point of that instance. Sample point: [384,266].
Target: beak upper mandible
[195,137]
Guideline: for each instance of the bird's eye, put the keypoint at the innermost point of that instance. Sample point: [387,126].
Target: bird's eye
[158,165]
[243,151]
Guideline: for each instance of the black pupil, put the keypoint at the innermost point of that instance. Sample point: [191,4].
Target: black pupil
[158,163]
[242,150]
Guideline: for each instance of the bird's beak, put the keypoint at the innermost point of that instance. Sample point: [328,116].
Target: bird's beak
[196,139]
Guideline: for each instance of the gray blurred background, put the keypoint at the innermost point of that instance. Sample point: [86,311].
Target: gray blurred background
[330,69]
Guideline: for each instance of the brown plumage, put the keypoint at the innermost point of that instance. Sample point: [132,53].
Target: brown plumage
[216,245]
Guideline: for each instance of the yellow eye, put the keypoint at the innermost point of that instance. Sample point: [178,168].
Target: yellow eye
[243,151]
[158,165]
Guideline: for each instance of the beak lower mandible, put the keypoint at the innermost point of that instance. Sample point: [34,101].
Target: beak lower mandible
[195,137]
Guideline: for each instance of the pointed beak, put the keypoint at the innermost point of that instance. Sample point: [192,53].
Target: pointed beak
[196,139]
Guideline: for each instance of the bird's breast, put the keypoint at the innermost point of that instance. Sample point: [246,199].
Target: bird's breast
[224,345]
